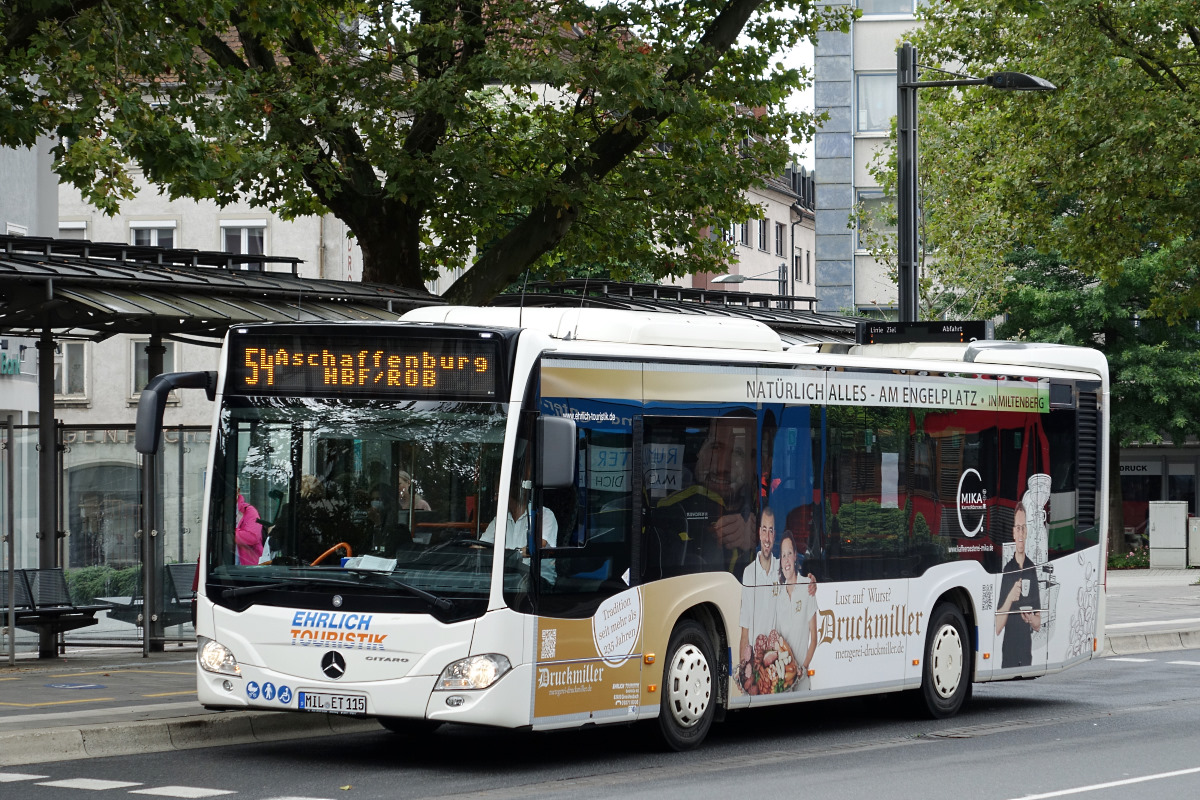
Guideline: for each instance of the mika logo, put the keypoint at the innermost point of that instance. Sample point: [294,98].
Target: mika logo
[972,502]
[333,665]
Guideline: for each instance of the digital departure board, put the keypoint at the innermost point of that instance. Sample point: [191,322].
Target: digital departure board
[892,332]
[331,366]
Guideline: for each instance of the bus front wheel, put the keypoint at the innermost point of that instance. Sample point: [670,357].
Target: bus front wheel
[688,689]
[946,678]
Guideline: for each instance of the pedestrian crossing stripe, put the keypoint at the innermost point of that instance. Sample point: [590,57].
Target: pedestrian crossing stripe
[182,791]
[13,777]
[89,783]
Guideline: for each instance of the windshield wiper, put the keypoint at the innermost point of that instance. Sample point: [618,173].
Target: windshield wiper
[243,591]
[429,597]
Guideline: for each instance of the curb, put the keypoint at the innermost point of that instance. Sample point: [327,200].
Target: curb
[1155,642]
[180,733]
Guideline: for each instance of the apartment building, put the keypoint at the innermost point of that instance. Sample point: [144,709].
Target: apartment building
[855,83]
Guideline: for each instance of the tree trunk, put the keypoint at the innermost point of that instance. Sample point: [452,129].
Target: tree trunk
[390,237]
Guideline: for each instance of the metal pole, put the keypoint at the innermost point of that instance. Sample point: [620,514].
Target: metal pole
[10,535]
[152,627]
[906,182]
[47,474]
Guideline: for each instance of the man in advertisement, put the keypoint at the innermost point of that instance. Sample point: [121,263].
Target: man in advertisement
[1019,614]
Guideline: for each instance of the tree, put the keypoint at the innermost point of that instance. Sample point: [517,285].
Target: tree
[1154,367]
[1100,171]
[445,133]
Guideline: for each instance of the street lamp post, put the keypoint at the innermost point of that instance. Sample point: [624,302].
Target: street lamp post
[781,279]
[907,236]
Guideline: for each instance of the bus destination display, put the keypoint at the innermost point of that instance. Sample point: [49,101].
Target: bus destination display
[331,366]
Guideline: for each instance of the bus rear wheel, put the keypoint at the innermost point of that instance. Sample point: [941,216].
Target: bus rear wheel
[688,688]
[946,678]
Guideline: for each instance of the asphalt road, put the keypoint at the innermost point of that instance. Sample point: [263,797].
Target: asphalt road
[1118,727]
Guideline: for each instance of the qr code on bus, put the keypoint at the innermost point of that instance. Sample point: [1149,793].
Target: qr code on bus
[986,599]
[549,643]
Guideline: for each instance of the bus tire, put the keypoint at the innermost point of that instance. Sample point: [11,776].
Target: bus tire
[406,726]
[689,687]
[946,674]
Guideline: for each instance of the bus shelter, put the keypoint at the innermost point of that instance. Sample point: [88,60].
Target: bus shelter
[52,289]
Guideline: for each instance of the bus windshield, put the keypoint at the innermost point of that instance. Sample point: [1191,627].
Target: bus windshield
[375,497]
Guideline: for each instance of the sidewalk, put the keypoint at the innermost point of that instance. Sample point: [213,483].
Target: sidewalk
[1149,610]
[111,701]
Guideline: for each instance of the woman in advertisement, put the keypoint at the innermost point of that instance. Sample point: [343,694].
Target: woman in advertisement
[795,612]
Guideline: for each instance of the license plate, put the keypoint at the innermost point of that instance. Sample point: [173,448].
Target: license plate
[333,703]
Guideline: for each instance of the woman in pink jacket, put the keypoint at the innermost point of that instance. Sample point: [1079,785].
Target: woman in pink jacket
[249,534]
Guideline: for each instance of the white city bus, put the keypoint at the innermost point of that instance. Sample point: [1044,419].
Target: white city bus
[694,518]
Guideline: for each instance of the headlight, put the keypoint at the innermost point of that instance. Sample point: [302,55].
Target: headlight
[476,672]
[216,657]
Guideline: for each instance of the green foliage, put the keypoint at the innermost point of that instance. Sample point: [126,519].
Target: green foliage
[1137,558]
[1098,172]
[88,583]
[498,136]
[1154,366]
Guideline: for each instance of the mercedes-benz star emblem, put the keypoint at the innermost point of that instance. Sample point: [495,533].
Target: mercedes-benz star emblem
[337,601]
[333,664]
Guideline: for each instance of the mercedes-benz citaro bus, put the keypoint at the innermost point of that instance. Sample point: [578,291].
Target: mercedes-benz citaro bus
[551,518]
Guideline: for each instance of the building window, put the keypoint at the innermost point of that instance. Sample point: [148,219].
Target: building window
[244,236]
[141,364]
[764,241]
[875,217]
[152,233]
[876,102]
[744,233]
[808,256]
[780,235]
[72,229]
[871,7]
[70,371]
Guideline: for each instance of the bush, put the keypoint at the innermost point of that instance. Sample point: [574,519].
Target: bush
[88,583]
[1136,558]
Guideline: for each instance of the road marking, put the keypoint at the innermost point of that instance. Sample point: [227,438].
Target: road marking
[1097,786]
[13,777]
[187,707]
[182,791]
[1190,621]
[1132,660]
[59,702]
[289,797]
[171,694]
[125,672]
[89,783]
[1186,663]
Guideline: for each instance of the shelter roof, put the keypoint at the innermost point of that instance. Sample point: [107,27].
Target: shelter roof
[97,289]
[794,325]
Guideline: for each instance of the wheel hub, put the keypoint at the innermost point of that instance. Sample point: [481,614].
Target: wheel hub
[946,660]
[689,686]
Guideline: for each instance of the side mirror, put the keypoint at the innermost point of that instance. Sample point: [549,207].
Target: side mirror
[154,401]
[555,466]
